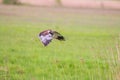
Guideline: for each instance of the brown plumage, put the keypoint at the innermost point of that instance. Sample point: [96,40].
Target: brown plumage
[47,36]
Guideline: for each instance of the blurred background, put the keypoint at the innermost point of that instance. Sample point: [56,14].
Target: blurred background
[109,4]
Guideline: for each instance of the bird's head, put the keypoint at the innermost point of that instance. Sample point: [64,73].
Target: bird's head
[50,31]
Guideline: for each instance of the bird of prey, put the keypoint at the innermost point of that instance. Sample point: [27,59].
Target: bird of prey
[48,35]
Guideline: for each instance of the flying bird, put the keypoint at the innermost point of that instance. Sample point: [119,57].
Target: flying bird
[48,35]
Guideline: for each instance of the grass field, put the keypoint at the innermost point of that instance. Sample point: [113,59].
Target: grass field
[91,50]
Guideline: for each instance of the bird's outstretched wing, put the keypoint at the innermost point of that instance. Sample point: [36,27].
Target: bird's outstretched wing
[58,36]
[46,42]
[45,37]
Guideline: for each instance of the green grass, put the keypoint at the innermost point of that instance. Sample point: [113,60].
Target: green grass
[90,51]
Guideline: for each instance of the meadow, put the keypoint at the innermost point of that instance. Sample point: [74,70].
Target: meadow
[91,50]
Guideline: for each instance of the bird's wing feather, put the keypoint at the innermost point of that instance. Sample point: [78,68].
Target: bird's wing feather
[47,36]
[46,42]
[44,33]
[58,36]
[46,39]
